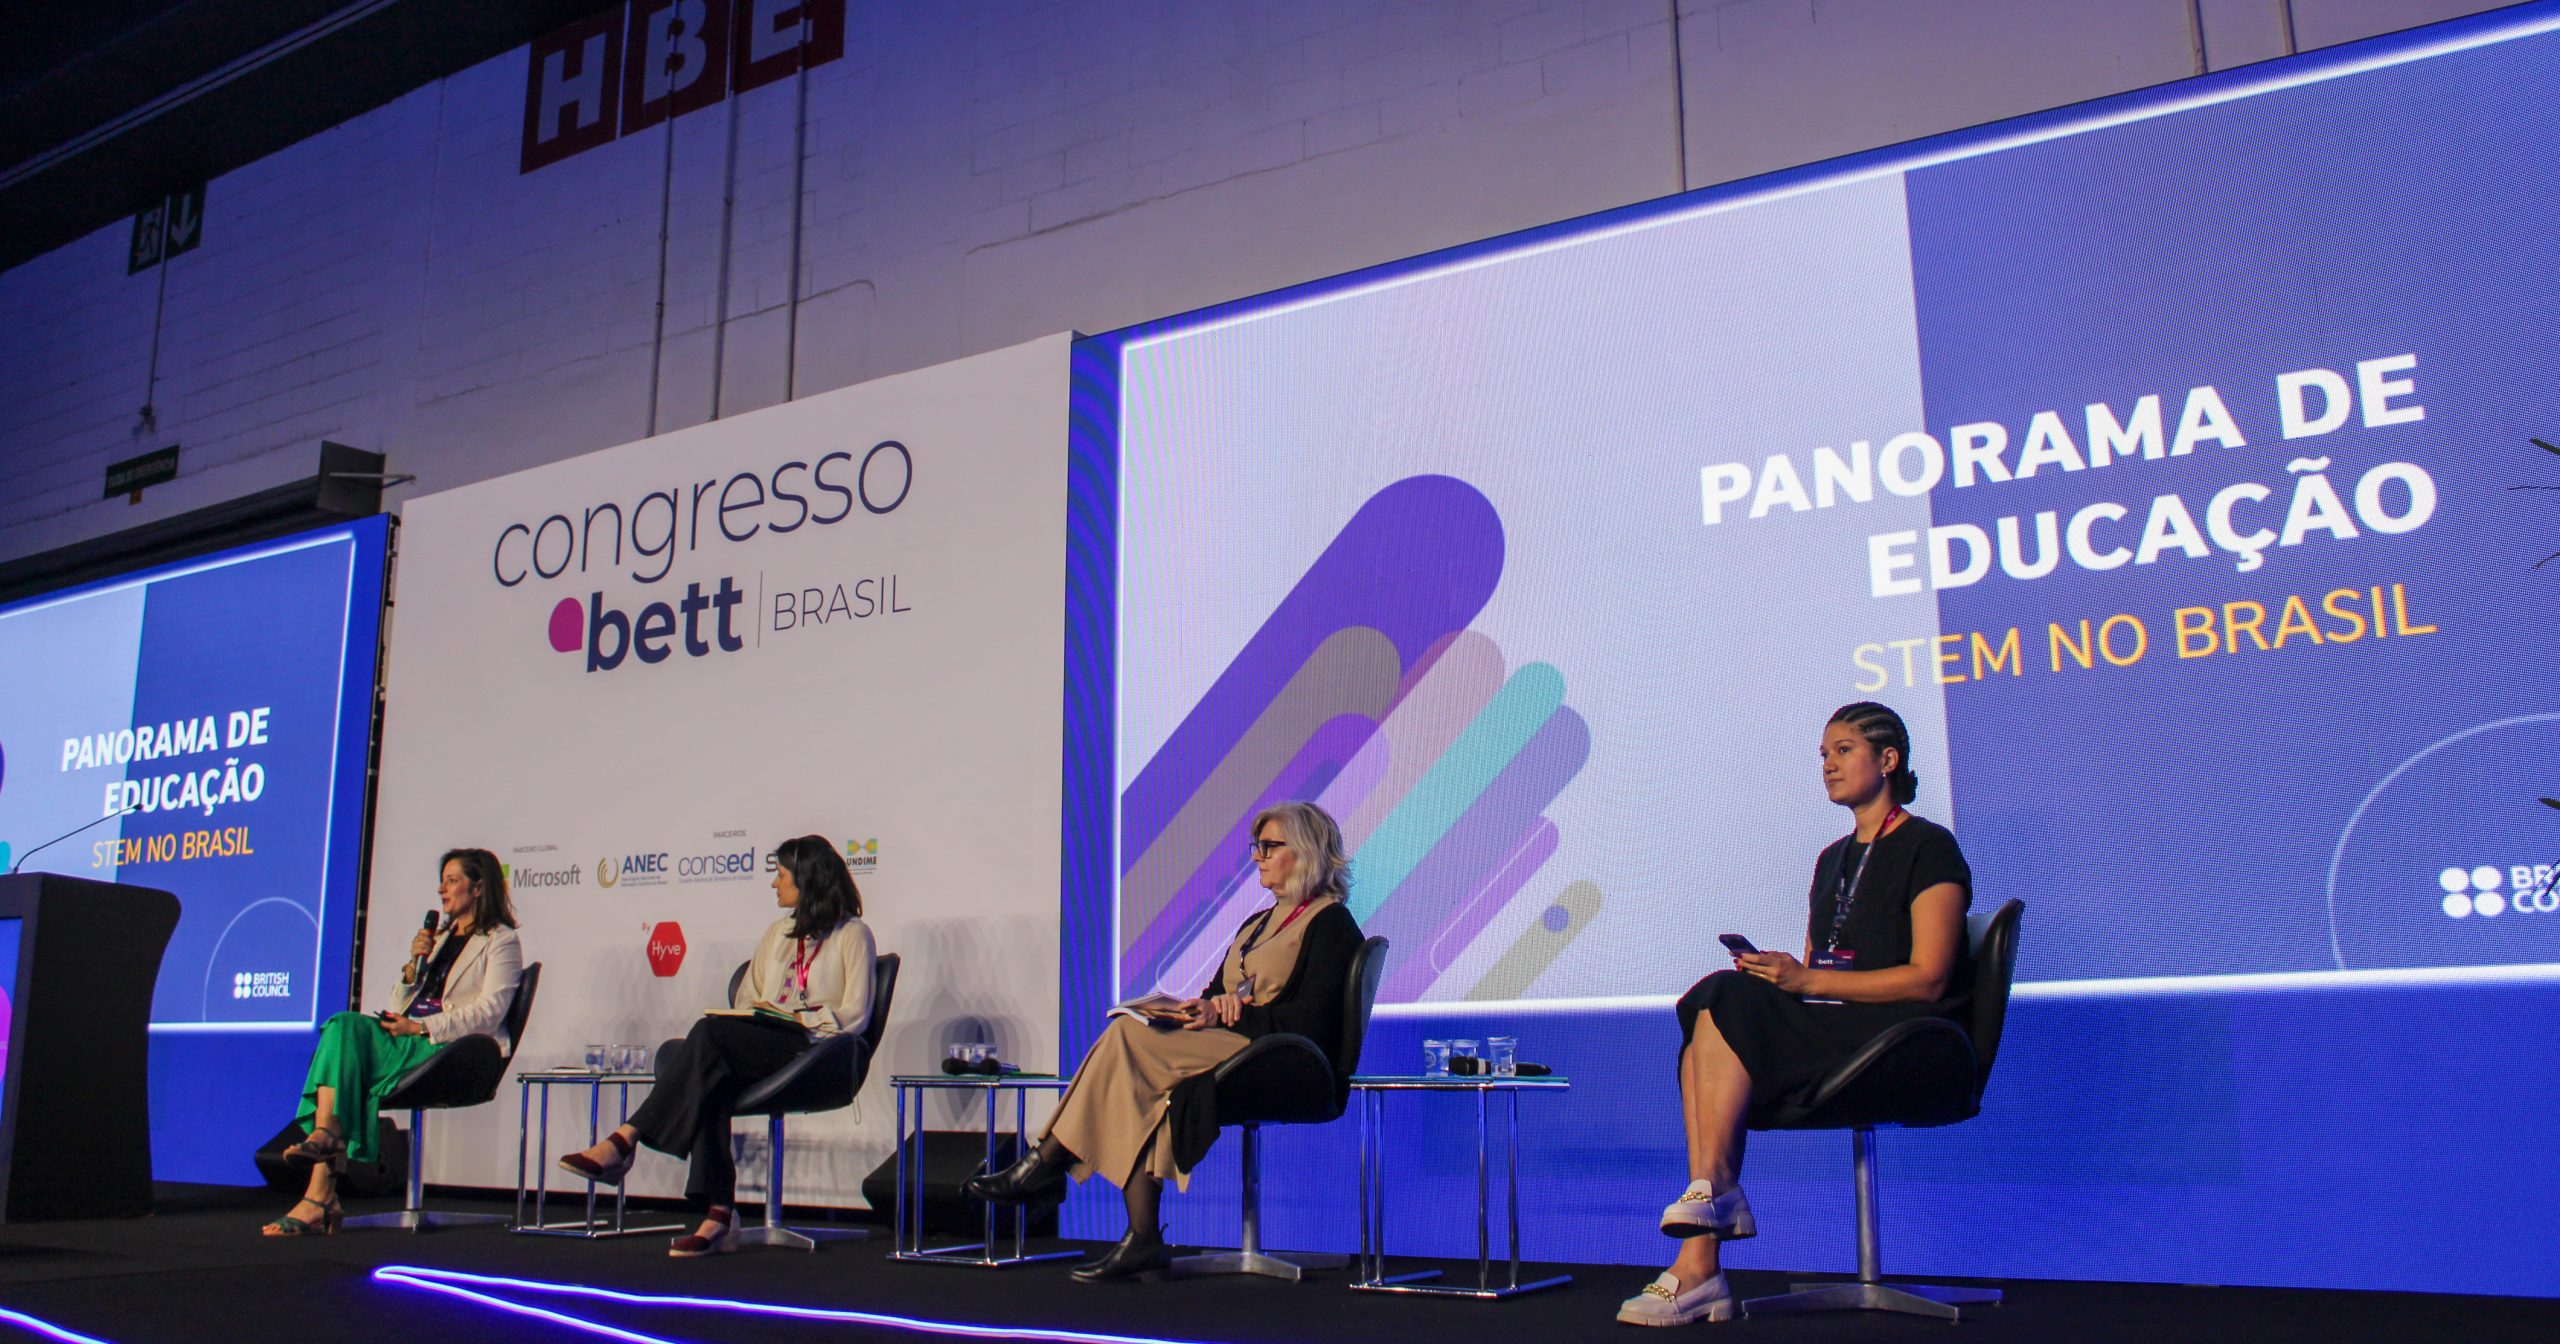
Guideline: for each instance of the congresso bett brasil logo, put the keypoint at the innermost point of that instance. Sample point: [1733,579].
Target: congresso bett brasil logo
[704,621]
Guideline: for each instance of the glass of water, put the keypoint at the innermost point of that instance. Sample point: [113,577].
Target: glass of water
[596,1059]
[1460,1049]
[1503,1054]
[631,1059]
[1435,1059]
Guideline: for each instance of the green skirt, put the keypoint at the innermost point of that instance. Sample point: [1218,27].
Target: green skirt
[361,1060]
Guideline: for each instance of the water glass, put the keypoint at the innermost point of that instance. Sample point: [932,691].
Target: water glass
[1460,1049]
[595,1058]
[631,1059]
[1503,1053]
[958,1053]
[1435,1059]
[982,1052]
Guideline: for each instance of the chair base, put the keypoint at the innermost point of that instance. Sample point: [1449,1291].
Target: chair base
[1288,1265]
[1913,1299]
[795,1238]
[421,1220]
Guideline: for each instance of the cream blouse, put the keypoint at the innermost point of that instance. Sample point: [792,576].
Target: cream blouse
[826,981]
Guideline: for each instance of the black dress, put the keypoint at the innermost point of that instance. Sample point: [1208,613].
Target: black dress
[1787,1044]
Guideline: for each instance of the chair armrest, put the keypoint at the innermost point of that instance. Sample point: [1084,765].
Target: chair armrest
[823,1078]
[1915,1074]
[1279,1079]
[464,1073]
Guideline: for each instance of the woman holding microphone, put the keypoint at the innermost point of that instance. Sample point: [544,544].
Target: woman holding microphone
[459,982]
[1884,942]
[810,977]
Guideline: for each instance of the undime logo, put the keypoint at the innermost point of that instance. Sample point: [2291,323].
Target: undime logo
[862,856]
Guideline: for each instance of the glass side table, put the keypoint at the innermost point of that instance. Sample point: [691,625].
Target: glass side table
[1371,1093]
[536,1181]
[908,1219]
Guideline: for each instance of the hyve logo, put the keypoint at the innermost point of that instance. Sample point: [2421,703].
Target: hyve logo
[666,949]
[2489,891]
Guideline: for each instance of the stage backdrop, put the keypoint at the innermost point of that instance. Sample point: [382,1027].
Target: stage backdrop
[632,673]
[2154,458]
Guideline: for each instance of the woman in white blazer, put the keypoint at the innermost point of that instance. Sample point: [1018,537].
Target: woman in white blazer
[810,977]
[459,982]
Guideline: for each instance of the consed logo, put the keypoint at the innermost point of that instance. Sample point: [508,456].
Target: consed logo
[2489,891]
[737,865]
[637,870]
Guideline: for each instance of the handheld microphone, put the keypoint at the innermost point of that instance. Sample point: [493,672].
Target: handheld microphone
[418,963]
[22,859]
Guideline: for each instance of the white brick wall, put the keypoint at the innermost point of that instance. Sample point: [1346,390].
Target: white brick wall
[976,174]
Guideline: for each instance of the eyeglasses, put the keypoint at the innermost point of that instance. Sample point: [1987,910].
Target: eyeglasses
[1263,849]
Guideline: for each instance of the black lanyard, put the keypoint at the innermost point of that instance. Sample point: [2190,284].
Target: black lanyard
[1845,898]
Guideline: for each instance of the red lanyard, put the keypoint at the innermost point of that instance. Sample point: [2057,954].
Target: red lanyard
[1284,927]
[803,957]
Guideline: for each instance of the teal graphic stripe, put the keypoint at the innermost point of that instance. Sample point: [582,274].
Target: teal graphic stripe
[1462,774]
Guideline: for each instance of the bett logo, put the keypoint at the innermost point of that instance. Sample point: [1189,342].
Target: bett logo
[666,949]
[608,635]
[2489,891]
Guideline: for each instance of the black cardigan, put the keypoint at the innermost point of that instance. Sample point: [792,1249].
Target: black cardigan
[1310,1005]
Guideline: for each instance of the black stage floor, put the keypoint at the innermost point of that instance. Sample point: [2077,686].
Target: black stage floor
[199,1271]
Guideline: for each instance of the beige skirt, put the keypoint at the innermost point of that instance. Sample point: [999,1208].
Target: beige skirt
[1115,1112]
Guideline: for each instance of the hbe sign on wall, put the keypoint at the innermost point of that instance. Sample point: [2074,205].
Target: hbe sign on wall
[630,68]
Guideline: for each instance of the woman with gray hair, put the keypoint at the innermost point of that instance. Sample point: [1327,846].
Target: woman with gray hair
[1284,972]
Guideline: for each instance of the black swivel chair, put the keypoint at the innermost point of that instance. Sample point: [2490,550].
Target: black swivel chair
[1284,1079]
[1916,1075]
[464,1073]
[824,1078]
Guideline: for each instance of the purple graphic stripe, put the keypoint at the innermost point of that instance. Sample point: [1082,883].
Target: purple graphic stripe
[1179,923]
[1417,561]
[1464,676]
[1353,671]
[1491,899]
[1488,833]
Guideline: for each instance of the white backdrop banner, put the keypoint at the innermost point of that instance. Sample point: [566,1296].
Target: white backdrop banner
[632,673]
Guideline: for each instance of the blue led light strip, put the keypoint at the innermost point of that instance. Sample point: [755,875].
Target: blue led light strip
[468,1286]
[47,1328]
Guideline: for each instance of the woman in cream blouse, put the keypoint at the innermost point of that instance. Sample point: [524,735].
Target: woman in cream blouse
[1285,971]
[467,983]
[810,977]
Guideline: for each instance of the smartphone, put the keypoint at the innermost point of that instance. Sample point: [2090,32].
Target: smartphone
[1736,944]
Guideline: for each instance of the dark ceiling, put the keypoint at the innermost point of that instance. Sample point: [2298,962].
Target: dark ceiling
[106,105]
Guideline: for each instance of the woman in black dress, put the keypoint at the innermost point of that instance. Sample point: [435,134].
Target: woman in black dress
[1884,942]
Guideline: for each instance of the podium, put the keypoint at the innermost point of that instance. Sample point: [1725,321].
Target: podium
[78,962]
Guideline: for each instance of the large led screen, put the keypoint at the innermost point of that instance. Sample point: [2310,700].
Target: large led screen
[2158,460]
[208,724]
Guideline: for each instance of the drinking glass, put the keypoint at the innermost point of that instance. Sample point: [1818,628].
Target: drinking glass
[983,1052]
[595,1058]
[1460,1049]
[631,1059]
[1435,1059]
[1503,1052]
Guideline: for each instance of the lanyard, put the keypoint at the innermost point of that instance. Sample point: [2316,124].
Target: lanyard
[803,957]
[1847,899]
[1254,942]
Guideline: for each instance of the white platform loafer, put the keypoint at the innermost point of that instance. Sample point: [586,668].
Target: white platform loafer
[1701,1212]
[1662,1302]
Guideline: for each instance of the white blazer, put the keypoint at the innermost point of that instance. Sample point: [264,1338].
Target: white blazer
[478,992]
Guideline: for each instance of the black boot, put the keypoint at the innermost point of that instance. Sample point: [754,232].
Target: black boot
[1041,1174]
[1135,1254]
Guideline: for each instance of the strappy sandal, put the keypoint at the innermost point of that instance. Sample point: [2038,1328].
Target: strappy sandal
[692,1244]
[322,1145]
[331,1215]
